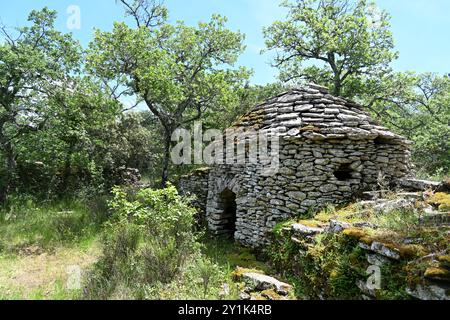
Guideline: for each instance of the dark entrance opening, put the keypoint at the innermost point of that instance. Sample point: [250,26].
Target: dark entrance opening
[343,173]
[228,201]
[382,140]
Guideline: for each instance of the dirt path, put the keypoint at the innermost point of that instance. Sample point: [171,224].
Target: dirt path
[44,276]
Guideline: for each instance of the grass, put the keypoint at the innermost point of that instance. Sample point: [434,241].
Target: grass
[29,227]
[230,255]
[40,242]
[45,276]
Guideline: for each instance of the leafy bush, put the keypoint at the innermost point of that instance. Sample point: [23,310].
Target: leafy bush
[146,244]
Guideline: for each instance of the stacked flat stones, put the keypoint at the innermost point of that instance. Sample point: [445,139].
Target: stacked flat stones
[312,113]
[196,184]
[320,136]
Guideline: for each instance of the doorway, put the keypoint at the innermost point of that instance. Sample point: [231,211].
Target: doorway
[228,206]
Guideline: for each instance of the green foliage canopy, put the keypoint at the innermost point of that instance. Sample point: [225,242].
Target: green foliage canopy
[332,42]
[179,72]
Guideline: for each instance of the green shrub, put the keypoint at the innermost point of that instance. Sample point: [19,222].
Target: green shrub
[147,243]
[329,268]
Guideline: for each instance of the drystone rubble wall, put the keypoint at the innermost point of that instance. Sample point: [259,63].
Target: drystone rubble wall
[196,184]
[433,283]
[329,150]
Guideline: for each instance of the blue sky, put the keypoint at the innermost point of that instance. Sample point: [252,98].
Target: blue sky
[421,27]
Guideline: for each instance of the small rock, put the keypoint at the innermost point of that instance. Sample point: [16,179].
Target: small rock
[305,230]
[262,282]
[337,226]
[382,249]
[244,296]
[412,240]
[377,260]
[297,195]
[365,225]
[225,290]
[365,290]
[410,195]
[429,292]
[364,246]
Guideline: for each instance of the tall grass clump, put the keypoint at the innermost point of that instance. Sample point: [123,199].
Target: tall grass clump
[26,222]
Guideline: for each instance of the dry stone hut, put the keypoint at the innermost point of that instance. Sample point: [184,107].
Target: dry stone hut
[329,150]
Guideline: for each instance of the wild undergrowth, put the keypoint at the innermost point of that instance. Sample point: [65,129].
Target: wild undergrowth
[330,265]
[152,251]
[28,225]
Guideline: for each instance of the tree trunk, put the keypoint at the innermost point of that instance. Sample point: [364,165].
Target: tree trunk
[337,86]
[10,166]
[67,171]
[166,159]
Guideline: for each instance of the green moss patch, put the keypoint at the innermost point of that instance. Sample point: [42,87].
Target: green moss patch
[272,295]
[239,272]
[440,200]
[437,273]
[355,233]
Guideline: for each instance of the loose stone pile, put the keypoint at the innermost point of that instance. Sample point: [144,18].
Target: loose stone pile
[330,149]
[258,286]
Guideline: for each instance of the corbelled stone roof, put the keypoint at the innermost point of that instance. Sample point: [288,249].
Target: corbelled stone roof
[311,112]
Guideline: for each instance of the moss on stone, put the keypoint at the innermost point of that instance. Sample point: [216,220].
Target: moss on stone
[245,258]
[412,251]
[366,240]
[239,272]
[270,294]
[444,260]
[310,223]
[355,233]
[437,273]
[309,128]
[441,200]
[257,296]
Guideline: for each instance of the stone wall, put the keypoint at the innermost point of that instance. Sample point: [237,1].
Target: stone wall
[196,184]
[311,175]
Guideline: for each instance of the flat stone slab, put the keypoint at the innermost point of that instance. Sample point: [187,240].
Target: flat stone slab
[410,195]
[418,185]
[305,230]
[390,205]
[429,292]
[262,282]
[382,249]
